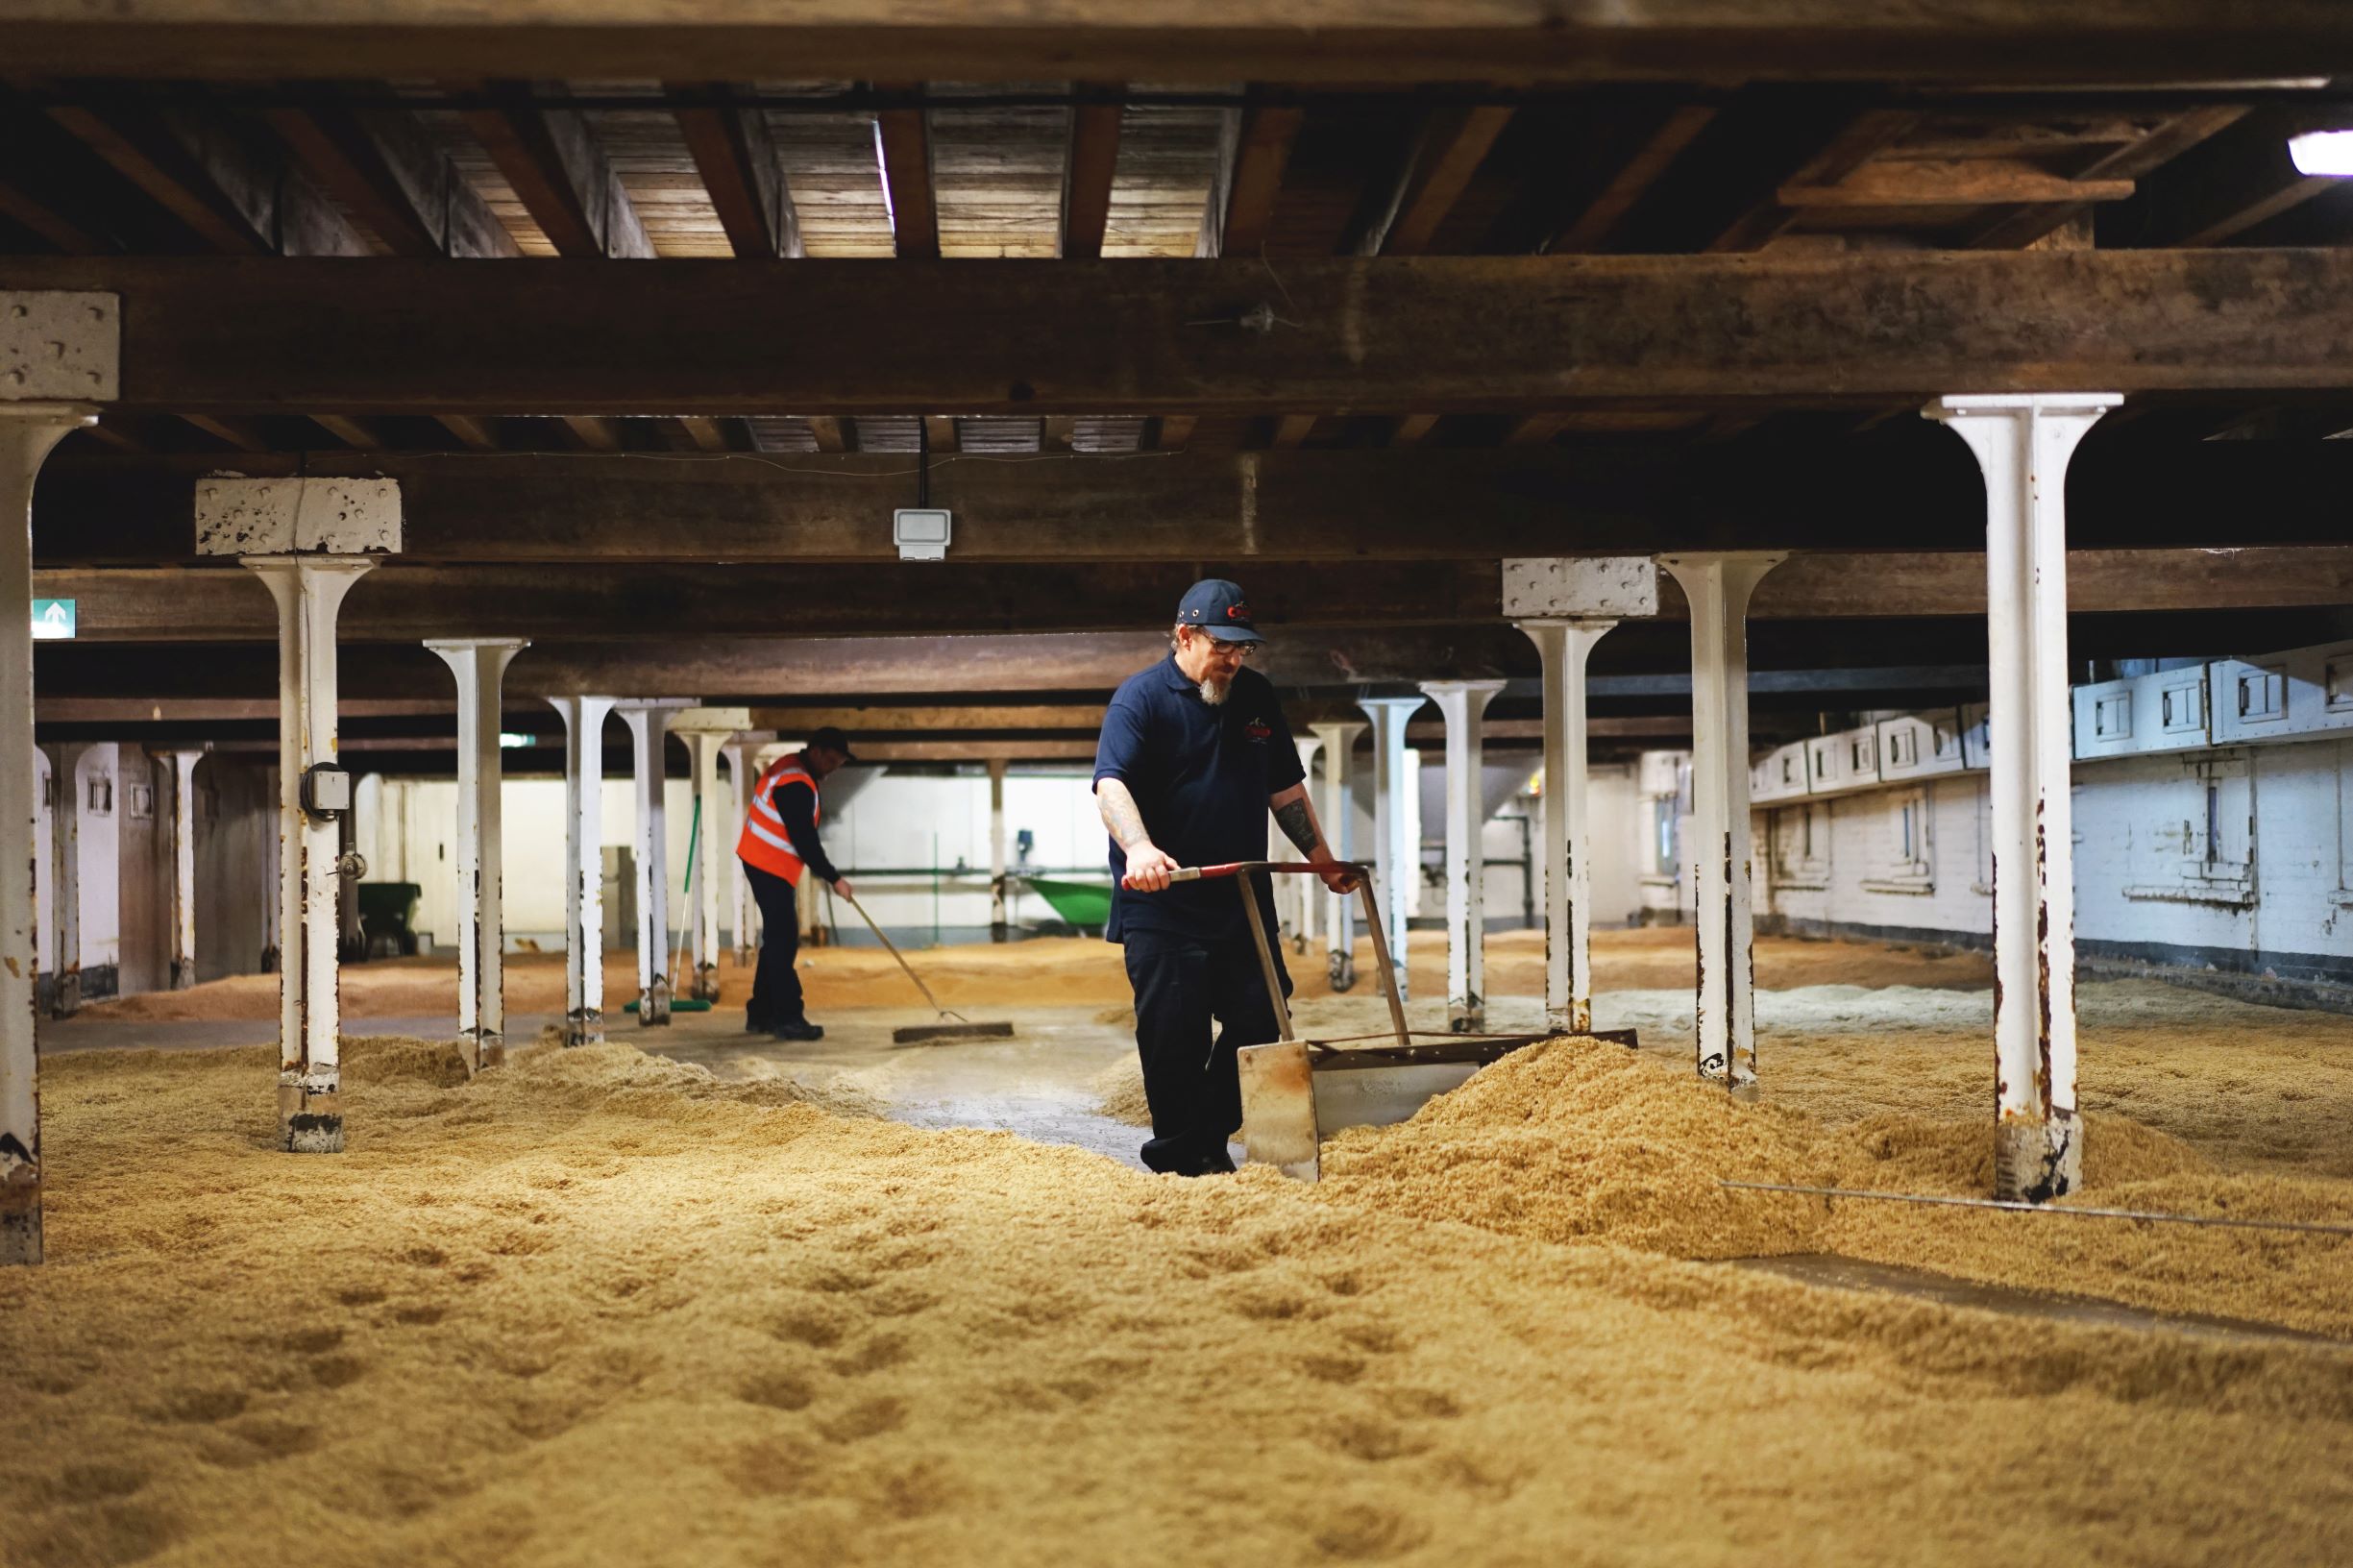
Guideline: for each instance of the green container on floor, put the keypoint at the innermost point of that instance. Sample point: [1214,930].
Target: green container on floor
[1086,905]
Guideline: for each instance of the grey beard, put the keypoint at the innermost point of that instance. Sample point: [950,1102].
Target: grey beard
[1213,693]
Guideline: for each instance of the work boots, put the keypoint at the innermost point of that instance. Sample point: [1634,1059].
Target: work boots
[803,1030]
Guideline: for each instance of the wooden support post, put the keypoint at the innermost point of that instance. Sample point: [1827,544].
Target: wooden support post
[1566,835]
[183,867]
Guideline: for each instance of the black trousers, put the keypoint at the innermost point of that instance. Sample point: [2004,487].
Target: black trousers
[776,984]
[1183,986]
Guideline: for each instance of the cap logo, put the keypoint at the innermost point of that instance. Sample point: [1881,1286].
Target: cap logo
[1237,612]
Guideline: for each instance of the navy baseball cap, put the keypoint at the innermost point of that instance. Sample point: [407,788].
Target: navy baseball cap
[1218,607]
[830,739]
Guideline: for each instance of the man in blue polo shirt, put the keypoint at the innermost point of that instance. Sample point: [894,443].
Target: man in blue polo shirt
[1195,753]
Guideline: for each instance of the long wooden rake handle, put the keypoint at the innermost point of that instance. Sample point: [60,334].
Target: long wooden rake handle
[902,963]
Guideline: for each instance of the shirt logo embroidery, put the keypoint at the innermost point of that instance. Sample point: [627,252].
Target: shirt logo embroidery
[1257,729]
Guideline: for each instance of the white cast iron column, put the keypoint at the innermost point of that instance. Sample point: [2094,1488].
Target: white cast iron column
[583,867]
[479,664]
[1337,738]
[1305,889]
[743,772]
[1566,829]
[310,592]
[1718,585]
[1465,703]
[183,867]
[65,876]
[707,732]
[1396,862]
[2022,446]
[997,924]
[27,433]
[648,723]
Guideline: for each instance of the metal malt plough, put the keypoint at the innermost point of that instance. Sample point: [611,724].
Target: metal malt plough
[1297,1092]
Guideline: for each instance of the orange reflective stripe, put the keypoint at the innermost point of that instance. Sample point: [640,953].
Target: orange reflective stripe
[771,849]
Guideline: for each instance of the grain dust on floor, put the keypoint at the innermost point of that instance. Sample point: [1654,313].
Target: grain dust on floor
[599,1307]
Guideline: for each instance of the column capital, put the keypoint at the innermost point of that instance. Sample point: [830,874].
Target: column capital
[2010,405]
[446,646]
[1440,690]
[702,720]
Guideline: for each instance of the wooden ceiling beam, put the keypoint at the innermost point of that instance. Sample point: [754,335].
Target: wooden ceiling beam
[1309,504]
[1960,182]
[1446,151]
[594,432]
[363,434]
[1433,335]
[827,432]
[902,152]
[1090,161]
[640,603]
[1839,160]
[740,171]
[241,433]
[385,165]
[558,172]
[479,434]
[220,176]
[2133,161]
[707,435]
[1722,193]
[1956,41]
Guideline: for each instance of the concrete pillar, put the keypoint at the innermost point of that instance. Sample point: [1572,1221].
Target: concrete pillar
[1304,890]
[182,924]
[479,664]
[707,732]
[1338,739]
[28,431]
[1396,861]
[310,592]
[648,722]
[743,772]
[1465,703]
[583,867]
[65,876]
[1566,829]
[1718,585]
[2022,446]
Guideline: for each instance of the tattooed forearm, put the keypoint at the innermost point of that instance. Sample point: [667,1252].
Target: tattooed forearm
[1298,824]
[1119,813]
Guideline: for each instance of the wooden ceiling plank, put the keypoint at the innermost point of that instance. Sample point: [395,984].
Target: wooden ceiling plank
[740,171]
[1621,182]
[828,433]
[902,150]
[558,172]
[387,167]
[1848,151]
[1410,429]
[939,432]
[241,433]
[1090,164]
[705,432]
[1170,431]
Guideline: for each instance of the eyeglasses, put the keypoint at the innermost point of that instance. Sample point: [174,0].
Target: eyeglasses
[1238,653]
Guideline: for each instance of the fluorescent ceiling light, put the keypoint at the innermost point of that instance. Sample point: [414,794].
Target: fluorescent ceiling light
[2322,153]
[508,739]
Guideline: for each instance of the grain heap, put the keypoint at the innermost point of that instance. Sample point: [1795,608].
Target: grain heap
[595,1309]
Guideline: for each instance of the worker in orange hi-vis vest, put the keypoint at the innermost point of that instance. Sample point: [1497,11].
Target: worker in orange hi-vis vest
[779,845]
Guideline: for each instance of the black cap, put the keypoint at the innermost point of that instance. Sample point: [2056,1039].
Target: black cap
[830,739]
[1218,607]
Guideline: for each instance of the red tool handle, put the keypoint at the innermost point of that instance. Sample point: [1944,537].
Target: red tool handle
[1212,874]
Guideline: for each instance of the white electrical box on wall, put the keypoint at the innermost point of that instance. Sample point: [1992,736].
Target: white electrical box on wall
[921,532]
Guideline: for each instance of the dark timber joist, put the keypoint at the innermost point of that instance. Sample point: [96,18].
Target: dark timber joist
[1089,162]
[1261,152]
[2228,183]
[1196,40]
[737,158]
[219,176]
[2133,161]
[1911,486]
[551,159]
[903,144]
[1723,192]
[1446,150]
[1429,334]
[400,602]
[385,165]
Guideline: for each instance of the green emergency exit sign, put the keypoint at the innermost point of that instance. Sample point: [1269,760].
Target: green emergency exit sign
[53,619]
